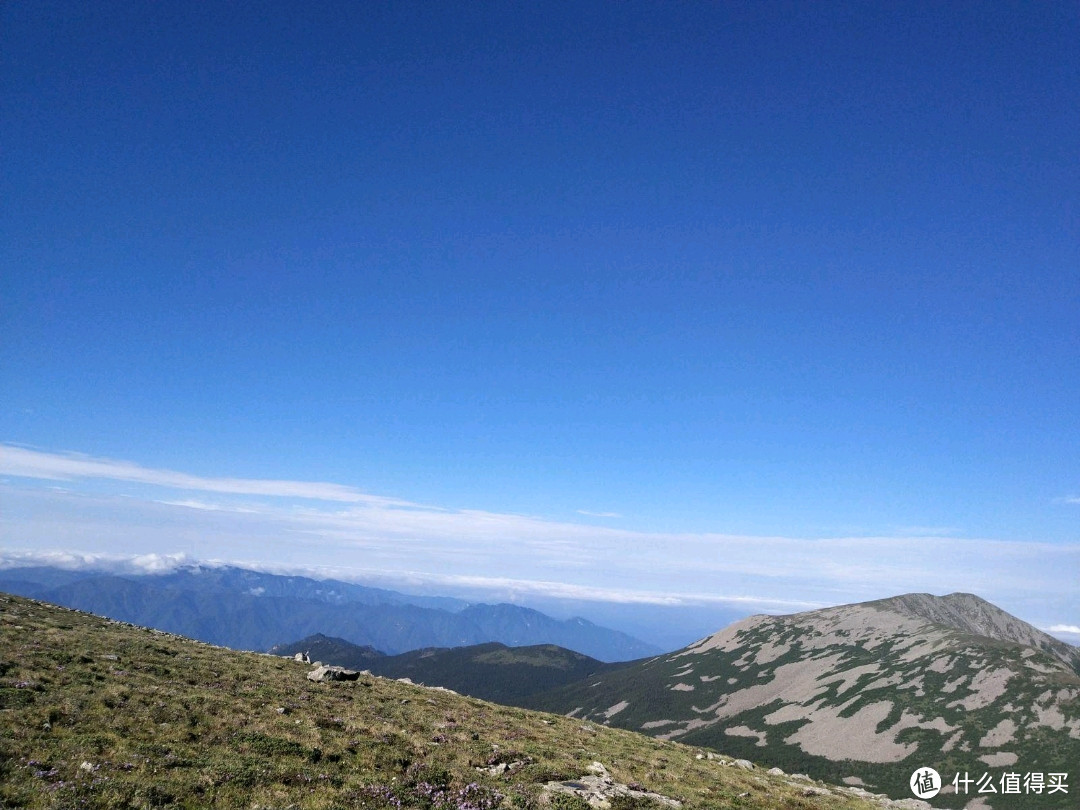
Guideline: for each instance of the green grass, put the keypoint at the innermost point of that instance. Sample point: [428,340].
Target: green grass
[101,714]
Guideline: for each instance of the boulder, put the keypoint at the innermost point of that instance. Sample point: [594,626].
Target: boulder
[325,673]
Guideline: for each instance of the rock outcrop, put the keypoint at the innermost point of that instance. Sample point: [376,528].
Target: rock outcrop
[598,789]
[324,673]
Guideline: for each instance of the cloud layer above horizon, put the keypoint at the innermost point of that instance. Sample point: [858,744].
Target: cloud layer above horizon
[57,502]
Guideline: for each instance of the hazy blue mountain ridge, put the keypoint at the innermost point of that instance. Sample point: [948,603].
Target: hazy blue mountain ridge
[232,579]
[251,610]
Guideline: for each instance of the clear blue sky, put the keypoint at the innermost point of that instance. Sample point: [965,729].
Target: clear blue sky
[797,270]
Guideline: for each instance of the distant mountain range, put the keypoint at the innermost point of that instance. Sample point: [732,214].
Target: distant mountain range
[251,610]
[491,671]
[862,693]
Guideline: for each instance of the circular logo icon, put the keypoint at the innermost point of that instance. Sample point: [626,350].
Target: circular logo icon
[925,783]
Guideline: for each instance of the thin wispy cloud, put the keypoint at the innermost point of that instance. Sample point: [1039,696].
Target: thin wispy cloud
[1072,629]
[587,513]
[26,463]
[312,525]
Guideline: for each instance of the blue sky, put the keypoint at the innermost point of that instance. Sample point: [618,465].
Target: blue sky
[571,290]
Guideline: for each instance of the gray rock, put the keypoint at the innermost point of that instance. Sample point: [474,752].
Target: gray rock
[598,789]
[745,764]
[775,772]
[324,673]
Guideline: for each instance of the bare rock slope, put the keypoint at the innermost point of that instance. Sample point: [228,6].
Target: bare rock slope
[971,614]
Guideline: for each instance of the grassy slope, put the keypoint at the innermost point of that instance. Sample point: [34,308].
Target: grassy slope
[172,722]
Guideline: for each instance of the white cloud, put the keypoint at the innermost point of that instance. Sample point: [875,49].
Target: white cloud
[96,561]
[25,463]
[1071,629]
[331,526]
[587,513]
[562,590]
[191,503]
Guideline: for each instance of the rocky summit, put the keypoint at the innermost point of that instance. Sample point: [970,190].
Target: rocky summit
[863,693]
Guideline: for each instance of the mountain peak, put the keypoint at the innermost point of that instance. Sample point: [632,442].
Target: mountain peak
[963,613]
[968,613]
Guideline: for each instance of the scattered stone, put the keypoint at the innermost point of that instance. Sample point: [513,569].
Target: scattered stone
[282,710]
[503,767]
[598,789]
[775,772]
[745,764]
[111,657]
[323,673]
